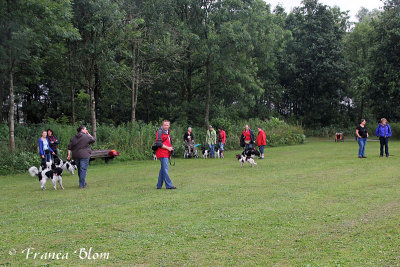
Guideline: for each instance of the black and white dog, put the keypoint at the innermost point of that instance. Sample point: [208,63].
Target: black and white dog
[243,159]
[218,153]
[69,166]
[154,155]
[48,171]
[204,152]
[251,153]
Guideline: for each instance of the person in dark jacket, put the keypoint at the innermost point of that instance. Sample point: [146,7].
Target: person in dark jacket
[383,131]
[247,139]
[163,153]
[53,141]
[45,150]
[188,137]
[79,147]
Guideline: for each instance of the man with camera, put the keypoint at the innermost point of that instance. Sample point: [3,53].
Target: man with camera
[163,153]
[79,147]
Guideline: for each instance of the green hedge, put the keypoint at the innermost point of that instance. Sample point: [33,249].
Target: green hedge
[133,142]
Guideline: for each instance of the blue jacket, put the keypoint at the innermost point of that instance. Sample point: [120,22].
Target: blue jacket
[41,151]
[383,131]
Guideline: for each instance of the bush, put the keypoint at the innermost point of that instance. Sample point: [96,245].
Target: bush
[133,142]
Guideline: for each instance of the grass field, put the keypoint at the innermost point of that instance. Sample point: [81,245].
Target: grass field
[312,204]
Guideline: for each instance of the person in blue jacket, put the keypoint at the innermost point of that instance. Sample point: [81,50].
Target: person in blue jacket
[45,150]
[384,132]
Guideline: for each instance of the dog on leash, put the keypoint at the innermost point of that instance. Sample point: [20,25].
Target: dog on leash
[47,171]
[69,166]
[154,155]
[204,152]
[243,159]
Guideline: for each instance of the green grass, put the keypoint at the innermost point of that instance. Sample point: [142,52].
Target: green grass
[313,204]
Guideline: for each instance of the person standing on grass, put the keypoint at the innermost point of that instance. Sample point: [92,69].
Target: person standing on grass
[79,149]
[362,135]
[211,140]
[261,141]
[384,132]
[163,153]
[45,150]
[221,140]
[247,139]
[53,141]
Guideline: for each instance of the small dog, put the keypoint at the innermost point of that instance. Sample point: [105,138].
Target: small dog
[47,171]
[204,152]
[251,153]
[218,153]
[69,166]
[154,155]
[243,159]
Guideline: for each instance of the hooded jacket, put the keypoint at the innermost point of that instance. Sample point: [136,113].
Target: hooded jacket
[383,131]
[80,146]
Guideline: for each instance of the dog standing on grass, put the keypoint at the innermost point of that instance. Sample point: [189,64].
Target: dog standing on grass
[47,171]
[243,159]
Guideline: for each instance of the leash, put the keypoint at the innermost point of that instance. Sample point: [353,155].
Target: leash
[170,160]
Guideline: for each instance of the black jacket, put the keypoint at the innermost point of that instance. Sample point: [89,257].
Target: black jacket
[185,137]
[242,143]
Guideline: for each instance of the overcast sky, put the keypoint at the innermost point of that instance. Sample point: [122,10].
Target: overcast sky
[352,5]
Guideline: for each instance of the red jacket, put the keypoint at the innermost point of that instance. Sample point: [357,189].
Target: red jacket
[261,138]
[247,135]
[222,136]
[163,138]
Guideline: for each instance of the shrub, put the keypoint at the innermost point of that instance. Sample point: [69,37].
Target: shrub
[133,142]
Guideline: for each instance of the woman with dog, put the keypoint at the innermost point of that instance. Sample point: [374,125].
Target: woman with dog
[79,149]
[247,139]
[261,141]
[53,141]
[163,153]
[383,131]
[211,140]
[362,135]
[45,150]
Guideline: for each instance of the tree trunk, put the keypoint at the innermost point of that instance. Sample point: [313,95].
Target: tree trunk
[71,84]
[11,108]
[93,112]
[135,79]
[208,94]
[11,83]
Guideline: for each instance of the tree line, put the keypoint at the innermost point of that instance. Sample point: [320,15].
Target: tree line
[113,62]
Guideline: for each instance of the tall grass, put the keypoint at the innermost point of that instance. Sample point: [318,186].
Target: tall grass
[133,142]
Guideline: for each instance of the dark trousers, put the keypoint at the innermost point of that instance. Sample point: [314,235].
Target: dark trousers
[384,142]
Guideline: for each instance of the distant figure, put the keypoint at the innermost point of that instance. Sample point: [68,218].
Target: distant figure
[383,131]
[362,135]
[53,141]
[221,140]
[79,149]
[211,140]
[45,150]
[247,139]
[189,139]
[261,141]
[163,153]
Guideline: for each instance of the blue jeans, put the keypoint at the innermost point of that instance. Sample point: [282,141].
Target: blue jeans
[47,157]
[221,146]
[82,166]
[248,146]
[211,147]
[261,149]
[361,142]
[163,176]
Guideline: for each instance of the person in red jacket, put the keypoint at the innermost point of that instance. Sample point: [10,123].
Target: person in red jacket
[221,140]
[163,153]
[261,141]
